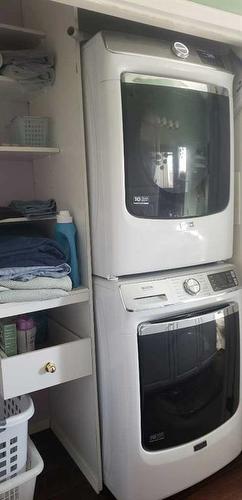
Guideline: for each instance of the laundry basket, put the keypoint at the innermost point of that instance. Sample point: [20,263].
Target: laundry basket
[15,413]
[22,486]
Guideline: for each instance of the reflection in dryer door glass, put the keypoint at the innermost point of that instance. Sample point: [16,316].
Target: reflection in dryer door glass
[189,379]
[176,150]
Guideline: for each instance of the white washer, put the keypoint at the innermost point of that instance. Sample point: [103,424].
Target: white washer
[160,154]
[170,383]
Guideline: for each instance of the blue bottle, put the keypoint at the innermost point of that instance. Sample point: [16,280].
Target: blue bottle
[65,235]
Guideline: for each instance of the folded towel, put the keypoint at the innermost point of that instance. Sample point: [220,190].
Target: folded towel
[28,56]
[28,273]
[22,251]
[64,283]
[34,208]
[30,77]
[33,69]
[30,295]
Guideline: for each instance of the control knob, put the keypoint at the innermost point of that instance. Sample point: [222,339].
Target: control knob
[180,50]
[191,286]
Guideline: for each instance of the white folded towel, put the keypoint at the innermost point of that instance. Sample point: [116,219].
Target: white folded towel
[39,283]
[30,295]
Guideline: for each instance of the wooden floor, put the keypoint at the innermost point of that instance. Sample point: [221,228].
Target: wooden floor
[62,480]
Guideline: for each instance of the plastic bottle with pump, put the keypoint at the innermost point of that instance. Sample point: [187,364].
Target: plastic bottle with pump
[65,235]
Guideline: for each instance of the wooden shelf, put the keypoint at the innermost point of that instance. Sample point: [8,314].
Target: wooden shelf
[17,37]
[25,152]
[15,308]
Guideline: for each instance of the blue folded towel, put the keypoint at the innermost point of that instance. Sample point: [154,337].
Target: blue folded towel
[34,208]
[29,273]
[22,251]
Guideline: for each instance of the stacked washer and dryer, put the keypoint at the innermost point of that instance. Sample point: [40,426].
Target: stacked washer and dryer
[159,122]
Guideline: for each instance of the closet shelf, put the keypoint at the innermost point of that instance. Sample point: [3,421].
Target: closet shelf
[76,296]
[17,37]
[25,152]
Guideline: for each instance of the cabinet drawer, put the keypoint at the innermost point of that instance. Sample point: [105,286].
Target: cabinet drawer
[69,355]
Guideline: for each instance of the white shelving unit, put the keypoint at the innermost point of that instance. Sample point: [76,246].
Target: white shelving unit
[76,296]
[23,153]
[43,173]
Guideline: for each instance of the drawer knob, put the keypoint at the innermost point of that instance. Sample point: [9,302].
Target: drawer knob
[50,367]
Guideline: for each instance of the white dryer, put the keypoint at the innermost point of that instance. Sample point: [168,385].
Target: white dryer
[159,120]
[170,386]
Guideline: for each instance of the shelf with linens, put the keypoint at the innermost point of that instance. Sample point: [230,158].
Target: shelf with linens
[76,296]
[65,357]
[12,38]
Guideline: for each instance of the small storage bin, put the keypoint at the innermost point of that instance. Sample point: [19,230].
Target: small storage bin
[30,131]
[14,435]
[22,486]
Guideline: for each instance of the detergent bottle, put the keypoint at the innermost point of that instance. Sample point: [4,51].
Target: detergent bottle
[65,235]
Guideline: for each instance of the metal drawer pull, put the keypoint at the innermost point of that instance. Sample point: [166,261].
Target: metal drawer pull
[50,367]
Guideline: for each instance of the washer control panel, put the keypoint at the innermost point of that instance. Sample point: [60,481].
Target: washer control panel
[166,290]
[191,286]
[223,280]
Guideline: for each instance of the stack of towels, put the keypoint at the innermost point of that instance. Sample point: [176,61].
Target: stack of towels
[34,208]
[33,69]
[32,268]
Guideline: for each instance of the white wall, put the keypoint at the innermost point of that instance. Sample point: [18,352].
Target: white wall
[10,12]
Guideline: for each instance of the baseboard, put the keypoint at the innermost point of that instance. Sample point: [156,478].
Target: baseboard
[39,426]
[78,459]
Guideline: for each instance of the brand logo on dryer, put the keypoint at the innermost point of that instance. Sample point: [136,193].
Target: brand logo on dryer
[185,226]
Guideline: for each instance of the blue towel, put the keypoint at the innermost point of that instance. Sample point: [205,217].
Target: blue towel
[28,273]
[22,251]
[34,208]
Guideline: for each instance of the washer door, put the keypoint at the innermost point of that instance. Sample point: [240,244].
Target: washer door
[189,375]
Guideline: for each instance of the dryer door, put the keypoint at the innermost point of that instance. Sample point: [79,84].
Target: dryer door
[176,147]
[189,375]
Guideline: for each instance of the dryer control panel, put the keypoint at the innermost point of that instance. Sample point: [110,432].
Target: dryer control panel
[166,290]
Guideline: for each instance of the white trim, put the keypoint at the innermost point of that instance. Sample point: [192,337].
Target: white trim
[177,15]
[78,459]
